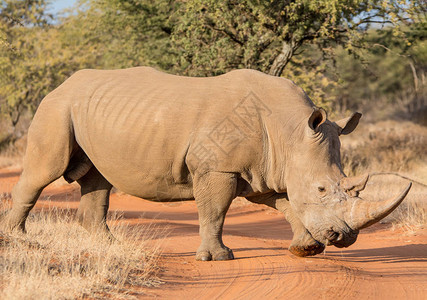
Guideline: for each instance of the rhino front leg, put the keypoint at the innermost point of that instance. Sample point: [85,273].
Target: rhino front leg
[214,193]
[93,207]
[303,244]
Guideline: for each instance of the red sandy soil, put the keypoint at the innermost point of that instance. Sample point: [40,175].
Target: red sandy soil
[382,264]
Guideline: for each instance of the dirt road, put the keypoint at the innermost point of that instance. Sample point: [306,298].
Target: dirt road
[382,264]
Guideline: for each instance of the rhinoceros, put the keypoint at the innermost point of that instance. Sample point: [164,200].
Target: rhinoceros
[166,138]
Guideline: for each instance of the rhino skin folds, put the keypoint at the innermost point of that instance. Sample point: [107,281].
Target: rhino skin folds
[166,138]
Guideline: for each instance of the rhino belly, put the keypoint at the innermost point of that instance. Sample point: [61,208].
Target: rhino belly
[143,174]
[140,154]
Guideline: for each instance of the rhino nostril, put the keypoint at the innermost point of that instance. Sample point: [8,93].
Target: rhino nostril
[332,235]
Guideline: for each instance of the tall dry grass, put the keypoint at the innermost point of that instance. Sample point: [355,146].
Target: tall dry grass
[11,154]
[411,216]
[385,146]
[58,259]
[397,147]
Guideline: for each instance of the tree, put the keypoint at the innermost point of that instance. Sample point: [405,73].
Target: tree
[16,18]
[390,72]
[132,33]
[36,55]
[215,36]
[209,37]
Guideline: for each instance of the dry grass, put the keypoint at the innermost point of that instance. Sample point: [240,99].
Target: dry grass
[385,146]
[411,216]
[58,259]
[391,146]
[10,159]
[12,154]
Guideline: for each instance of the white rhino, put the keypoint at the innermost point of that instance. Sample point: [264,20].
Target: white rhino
[164,137]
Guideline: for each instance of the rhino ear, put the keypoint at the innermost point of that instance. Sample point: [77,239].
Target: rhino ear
[347,125]
[317,117]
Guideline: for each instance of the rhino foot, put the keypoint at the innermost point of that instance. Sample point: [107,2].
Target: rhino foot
[304,244]
[223,254]
[308,250]
[9,222]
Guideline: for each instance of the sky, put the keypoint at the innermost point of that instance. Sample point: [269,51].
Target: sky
[58,5]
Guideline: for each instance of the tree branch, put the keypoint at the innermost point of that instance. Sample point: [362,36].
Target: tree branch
[282,58]
[229,34]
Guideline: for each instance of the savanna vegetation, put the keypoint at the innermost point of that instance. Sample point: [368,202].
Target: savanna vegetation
[347,55]
[58,259]
[365,55]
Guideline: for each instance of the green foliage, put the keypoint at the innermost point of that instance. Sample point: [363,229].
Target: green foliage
[128,33]
[310,71]
[21,23]
[392,70]
[216,36]
[307,41]
[37,56]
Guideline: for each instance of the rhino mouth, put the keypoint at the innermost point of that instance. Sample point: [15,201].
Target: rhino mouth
[341,239]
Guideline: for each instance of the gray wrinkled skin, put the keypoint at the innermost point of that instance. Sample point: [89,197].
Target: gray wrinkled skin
[167,138]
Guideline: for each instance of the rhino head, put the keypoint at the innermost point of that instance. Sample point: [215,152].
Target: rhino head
[326,201]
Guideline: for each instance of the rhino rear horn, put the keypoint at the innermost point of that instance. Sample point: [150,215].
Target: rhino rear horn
[365,213]
[353,185]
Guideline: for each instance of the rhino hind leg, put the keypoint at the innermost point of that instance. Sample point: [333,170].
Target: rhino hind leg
[93,207]
[214,193]
[49,147]
[24,197]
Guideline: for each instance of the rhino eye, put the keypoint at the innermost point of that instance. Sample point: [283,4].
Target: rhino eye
[321,189]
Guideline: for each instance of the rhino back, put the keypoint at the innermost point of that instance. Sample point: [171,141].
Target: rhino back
[143,129]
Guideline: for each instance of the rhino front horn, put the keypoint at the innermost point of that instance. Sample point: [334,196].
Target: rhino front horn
[365,213]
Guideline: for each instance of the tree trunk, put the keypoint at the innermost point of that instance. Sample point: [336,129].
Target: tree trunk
[282,59]
[414,74]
